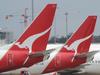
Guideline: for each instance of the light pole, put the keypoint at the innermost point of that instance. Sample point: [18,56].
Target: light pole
[32,9]
[55,31]
[25,17]
[66,15]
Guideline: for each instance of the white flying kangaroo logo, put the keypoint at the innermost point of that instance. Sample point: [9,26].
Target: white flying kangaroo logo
[75,45]
[30,40]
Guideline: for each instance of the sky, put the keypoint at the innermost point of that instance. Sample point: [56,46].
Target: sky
[77,11]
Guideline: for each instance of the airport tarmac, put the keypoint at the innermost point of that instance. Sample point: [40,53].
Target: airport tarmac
[79,74]
[60,74]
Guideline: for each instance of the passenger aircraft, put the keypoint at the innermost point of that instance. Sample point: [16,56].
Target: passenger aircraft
[93,66]
[23,52]
[71,56]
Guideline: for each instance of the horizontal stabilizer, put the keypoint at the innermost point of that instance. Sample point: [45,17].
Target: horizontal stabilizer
[41,53]
[88,55]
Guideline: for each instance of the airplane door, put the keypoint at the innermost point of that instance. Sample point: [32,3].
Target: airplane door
[10,60]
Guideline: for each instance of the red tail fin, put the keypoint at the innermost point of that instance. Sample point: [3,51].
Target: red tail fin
[80,41]
[36,36]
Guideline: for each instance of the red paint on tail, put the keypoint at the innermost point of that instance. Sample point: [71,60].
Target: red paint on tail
[34,39]
[82,38]
[36,36]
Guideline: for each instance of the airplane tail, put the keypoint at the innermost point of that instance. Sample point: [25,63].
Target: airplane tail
[36,36]
[80,41]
